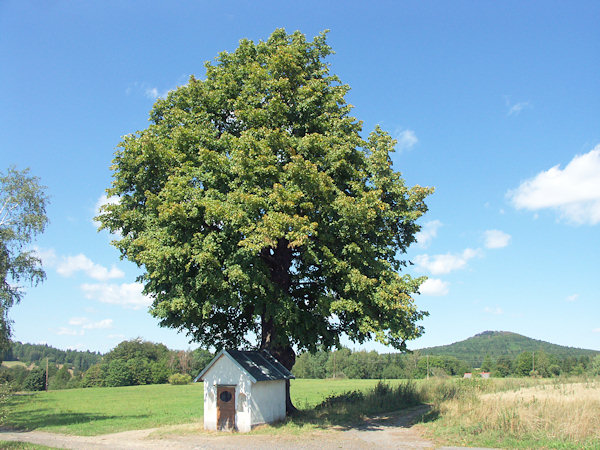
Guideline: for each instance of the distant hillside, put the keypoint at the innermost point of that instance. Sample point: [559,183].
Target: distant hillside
[36,353]
[501,343]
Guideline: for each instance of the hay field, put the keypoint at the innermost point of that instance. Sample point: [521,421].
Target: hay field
[555,415]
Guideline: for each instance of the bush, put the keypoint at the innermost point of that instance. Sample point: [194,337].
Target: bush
[118,374]
[36,380]
[140,371]
[382,398]
[94,376]
[60,379]
[180,378]
[159,372]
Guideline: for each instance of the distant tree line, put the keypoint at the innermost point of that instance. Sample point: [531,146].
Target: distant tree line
[133,362]
[35,353]
[345,363]
[137,362]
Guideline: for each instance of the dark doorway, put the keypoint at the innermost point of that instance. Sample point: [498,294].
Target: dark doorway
[225,407]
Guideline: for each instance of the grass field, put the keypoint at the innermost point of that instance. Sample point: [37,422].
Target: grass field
[501,413]
[516,413]
[94,411]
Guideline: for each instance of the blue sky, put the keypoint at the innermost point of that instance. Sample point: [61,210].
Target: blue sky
[496,104]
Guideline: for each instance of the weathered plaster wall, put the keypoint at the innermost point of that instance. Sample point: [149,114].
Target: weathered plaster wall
[226,372]
[267,401]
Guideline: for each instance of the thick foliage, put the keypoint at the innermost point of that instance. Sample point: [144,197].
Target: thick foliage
[35,380]
[256,208]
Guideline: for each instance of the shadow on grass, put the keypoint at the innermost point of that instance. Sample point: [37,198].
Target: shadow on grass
[383,406]
[33,419]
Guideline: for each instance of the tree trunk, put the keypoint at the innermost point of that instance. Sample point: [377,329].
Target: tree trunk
[284,354]
[279,261]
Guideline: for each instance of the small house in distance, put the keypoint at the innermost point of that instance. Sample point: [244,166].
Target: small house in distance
[243,389]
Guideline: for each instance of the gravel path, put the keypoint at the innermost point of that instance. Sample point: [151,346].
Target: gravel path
[390,432]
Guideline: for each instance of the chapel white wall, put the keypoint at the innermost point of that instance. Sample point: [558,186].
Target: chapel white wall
[267,401]
[226,372]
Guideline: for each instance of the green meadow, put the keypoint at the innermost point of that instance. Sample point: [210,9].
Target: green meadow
[501,413]
[94,411]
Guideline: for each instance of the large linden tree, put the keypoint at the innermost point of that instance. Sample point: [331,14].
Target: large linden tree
[258,213]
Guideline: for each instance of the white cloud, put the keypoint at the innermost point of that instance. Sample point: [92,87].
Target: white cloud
[102,324]
[434,287]
[441,264]
[596,330]
[406,139]
[116,336]
[147,90]
[48,256]
[71,264]
[152,93]
[78,321]
[428,233]
[86,324]
[573,191]
[496,239]
[572,298]
[496,311]
[64,331]
[517,108]
[127,295]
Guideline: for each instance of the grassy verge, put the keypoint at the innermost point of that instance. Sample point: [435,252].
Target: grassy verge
[22,445]
[515,413]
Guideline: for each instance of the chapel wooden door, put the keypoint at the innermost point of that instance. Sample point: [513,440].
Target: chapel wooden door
[225,407]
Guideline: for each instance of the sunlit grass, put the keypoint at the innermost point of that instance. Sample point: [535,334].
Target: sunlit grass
[94,411]
[549,414]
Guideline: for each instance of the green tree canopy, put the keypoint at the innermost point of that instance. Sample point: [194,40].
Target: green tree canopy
[256,209]
[22,217]
[137,348]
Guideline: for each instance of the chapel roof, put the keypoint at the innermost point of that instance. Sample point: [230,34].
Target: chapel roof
[260,365]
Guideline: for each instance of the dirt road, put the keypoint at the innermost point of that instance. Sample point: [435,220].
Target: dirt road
[395,431]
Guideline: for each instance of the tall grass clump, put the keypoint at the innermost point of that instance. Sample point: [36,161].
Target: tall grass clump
[526,413]
[353,405]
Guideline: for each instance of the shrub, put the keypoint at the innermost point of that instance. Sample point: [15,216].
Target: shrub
[36,380]
[382,398]
[180,378]
[350,397]
[118,374]
[94,376]
[140,371]
[159,372]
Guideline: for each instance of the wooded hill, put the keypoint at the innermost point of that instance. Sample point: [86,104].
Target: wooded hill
[502,343]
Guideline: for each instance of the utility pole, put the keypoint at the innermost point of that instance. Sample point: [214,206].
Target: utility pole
[334,364]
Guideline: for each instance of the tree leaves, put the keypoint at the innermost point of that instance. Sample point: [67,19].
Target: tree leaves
[256,208]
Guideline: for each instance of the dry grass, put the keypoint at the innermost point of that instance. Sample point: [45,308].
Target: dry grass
[571,411]
[559,414]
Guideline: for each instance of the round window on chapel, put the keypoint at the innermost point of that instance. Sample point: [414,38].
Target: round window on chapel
[225,396]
